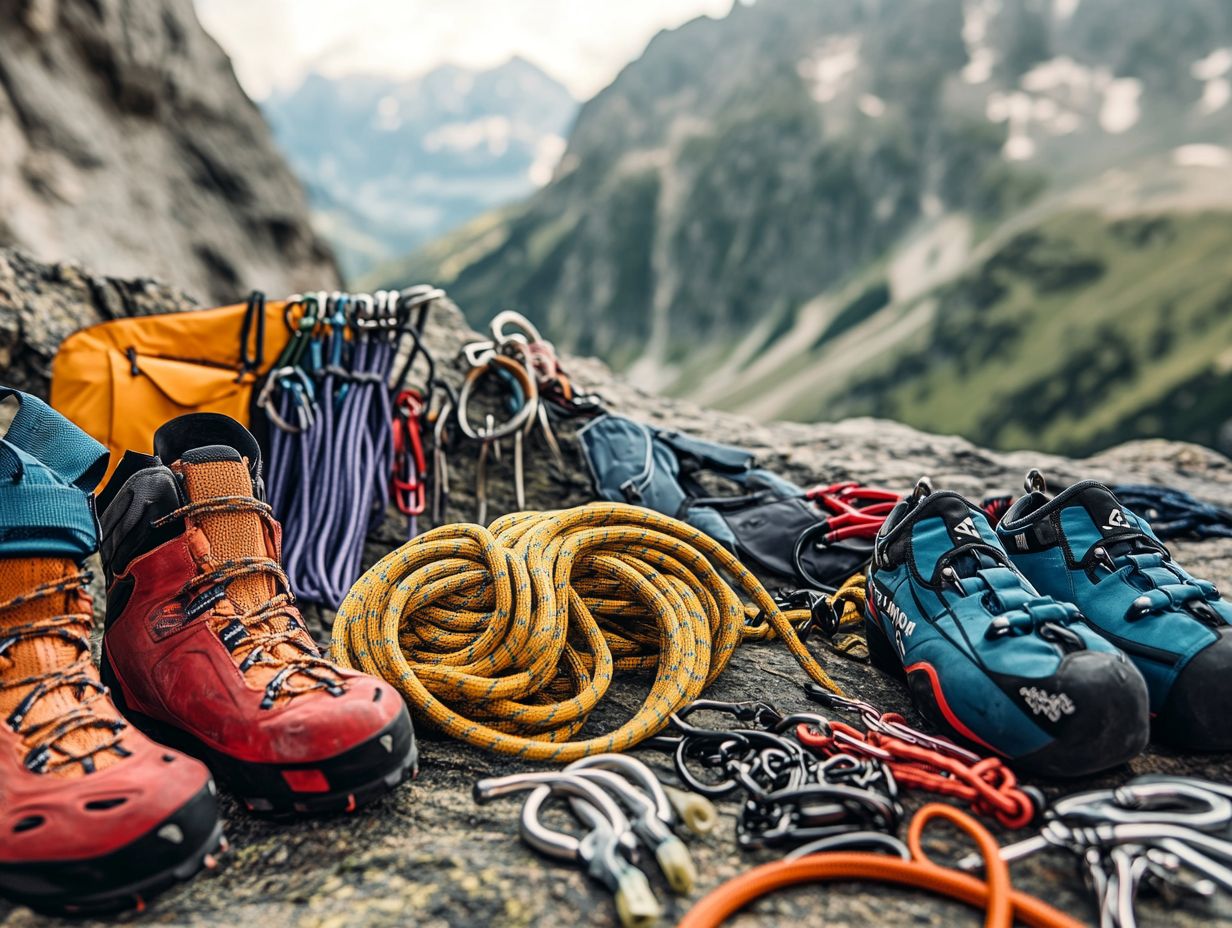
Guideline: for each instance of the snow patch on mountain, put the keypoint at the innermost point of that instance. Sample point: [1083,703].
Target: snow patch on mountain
[827,70]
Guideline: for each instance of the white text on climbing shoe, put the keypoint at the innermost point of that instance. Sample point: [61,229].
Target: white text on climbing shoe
[903,626]
[1050,705]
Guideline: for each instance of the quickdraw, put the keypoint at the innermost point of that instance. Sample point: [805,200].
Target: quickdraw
[790,795]
[525,364]
[778,761]
[923,762]
[410,464]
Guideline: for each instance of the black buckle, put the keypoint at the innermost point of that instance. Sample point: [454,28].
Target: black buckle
[822,616]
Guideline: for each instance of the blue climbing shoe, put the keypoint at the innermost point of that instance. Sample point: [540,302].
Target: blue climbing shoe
[986,657]
[1085,547]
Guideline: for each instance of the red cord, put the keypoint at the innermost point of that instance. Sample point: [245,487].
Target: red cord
[988,786]
[410,465]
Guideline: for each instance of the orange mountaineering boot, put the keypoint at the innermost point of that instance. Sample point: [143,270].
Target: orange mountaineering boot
[94,817]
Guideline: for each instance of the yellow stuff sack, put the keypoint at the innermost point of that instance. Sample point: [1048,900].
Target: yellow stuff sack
[120,380]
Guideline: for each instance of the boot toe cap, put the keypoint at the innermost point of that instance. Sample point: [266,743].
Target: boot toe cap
[1195,716]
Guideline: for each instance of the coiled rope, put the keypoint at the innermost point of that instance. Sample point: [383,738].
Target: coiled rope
[507,638]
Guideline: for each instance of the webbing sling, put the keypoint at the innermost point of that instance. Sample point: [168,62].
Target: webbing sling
[48,470]
[331,450]
[507,638]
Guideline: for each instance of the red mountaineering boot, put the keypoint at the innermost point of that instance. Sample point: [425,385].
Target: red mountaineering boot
[204,648]
[94,817]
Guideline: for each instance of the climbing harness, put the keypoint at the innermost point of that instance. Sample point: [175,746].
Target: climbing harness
[842,542]
[1163,832]
[1002,904]
[506,638]
[815,538]
[625,808]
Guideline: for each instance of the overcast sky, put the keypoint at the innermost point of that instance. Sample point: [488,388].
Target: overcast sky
[581,42]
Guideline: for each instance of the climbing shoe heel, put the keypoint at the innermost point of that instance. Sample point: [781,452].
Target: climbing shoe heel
[881,653]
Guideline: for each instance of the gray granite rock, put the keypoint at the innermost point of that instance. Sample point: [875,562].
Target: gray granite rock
[126,142]
[429,856]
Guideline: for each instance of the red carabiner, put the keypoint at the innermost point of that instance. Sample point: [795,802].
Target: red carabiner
[410,466]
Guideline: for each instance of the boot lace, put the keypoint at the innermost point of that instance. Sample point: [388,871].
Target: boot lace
[44,740]
[983,571]
[304,673]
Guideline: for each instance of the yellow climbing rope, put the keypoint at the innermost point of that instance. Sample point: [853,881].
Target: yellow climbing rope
[507,638]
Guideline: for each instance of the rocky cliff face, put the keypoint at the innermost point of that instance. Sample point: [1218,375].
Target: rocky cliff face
[428,852]
[126,142]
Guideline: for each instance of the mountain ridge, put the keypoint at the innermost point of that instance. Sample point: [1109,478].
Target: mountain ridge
[749,177]
[389,162]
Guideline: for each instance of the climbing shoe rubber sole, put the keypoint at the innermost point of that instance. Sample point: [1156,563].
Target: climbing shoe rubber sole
[173,852]
[342,783]
[1090,746]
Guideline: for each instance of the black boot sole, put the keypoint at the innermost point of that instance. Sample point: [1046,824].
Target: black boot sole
[1074,754]
[355,778]
[123,879]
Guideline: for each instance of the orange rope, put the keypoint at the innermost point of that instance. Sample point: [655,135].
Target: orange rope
[1001,903]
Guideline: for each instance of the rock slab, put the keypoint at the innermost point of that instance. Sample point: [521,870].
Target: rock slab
[427,855]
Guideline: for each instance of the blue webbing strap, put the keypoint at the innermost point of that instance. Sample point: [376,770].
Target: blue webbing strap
[48,471]
[48,437]
[42,515]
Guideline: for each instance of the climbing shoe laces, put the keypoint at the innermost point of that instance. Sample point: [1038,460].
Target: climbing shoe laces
[246,597]
[49,689]
[978,569]
[1129,549]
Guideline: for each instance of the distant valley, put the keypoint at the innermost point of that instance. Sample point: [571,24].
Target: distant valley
[390,164]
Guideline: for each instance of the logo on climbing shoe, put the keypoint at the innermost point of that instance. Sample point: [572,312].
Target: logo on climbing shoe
[903,626]
[1116,519]
[967,527]
[1051,706]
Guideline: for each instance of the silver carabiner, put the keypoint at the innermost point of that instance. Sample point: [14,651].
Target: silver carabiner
[508,317]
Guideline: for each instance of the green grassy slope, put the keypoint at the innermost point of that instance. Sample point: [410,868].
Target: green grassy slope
[1077,333]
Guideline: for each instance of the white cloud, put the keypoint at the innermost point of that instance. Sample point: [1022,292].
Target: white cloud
[275,42]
